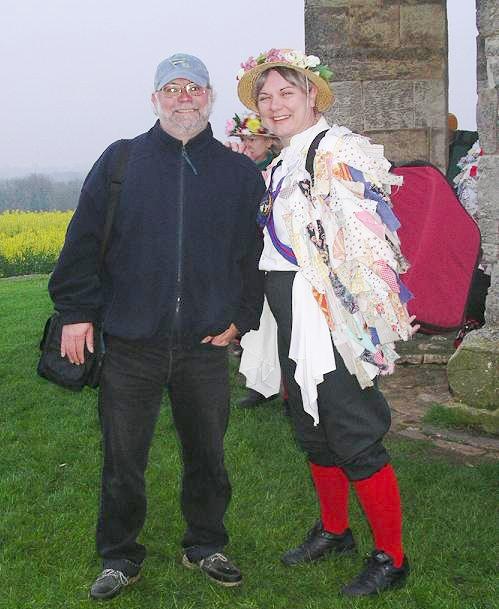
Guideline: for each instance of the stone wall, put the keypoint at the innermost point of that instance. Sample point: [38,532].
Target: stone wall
[473,370]
[488,131]
[389,59]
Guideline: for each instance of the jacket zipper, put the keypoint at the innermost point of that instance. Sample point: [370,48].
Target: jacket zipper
[180,231]
[180,238]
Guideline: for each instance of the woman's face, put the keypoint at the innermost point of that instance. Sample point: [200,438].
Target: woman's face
[284,108]
[256,146]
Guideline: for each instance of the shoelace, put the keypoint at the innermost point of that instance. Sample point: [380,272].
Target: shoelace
[114,573]
[213,557]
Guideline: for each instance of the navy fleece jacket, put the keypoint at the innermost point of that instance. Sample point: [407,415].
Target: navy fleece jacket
[182,259]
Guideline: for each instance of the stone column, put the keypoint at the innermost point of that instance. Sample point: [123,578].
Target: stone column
[389,59]
[474,369]
[488,131]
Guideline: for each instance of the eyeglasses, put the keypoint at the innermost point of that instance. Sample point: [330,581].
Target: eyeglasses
[175,90]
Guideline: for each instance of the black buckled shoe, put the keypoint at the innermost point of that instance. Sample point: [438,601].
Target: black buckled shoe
[218,568]
[378,575]
[110,583]
[318,544]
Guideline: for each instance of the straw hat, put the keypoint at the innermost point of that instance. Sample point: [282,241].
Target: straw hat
[309,65]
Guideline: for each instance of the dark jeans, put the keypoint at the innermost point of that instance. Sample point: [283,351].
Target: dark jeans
[352,421]
[132,384]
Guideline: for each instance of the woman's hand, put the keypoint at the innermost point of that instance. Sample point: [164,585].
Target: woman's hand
[222,340]
[415,327]
[236,146]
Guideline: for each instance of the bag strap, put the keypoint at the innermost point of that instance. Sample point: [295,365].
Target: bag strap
[309,163]
[118,175]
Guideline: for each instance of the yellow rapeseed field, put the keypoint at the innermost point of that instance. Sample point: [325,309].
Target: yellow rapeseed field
[30,242]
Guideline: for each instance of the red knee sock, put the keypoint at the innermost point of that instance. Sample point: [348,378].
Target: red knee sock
[332,487]
[380,500]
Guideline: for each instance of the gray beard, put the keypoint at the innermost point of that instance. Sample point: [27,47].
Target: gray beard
[188,128]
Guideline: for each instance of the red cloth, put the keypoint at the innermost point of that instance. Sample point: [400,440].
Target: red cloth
[442,243]
[380,499]
[332,488]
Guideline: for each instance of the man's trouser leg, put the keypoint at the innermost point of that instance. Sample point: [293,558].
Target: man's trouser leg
[130,394]
[200,394]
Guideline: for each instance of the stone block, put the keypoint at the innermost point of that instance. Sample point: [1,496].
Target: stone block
[488,187]
[347,109]
[412,434]
[403,145]
[488,17]
[435,359]
[325,27]
[383,64]
[342,3]
[481,61]
[388,104]
[423,24]
[413,2]
[410,358]
[374,27]
[462,449]
[438,147]
[492,57]
[490,253]
[487,420]
[473,370]
[430,103]
[486,118]
[492,302]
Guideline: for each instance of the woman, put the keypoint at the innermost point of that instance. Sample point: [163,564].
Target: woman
[257,143]
[335,306]
[262,147]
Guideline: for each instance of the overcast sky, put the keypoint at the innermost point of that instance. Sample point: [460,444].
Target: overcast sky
[77,74]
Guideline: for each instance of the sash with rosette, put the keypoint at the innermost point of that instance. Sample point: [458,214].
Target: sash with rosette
[265,217]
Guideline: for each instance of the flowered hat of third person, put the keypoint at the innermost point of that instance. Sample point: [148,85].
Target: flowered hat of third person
[309,65]
[246,126]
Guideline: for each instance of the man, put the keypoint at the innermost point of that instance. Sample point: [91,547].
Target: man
[179,282]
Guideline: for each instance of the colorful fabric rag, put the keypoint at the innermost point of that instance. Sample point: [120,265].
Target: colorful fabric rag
[342,231]
[347,291]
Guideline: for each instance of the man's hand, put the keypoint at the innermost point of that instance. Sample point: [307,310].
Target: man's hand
[222,340]
[73,340]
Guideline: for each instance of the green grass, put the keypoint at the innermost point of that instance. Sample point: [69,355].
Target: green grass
[50,460]
[462,419]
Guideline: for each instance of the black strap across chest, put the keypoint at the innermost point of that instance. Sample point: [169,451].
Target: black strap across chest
[309,163]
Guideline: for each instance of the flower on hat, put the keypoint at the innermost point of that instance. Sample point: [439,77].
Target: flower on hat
[248,125]
[230,125]
[295,59]
[253,124]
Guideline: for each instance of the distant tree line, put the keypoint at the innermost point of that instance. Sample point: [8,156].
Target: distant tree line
[38,192]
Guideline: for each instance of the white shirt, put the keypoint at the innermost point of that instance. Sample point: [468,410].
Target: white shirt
[295,152]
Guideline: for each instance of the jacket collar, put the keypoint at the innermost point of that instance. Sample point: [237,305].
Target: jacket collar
[197,142]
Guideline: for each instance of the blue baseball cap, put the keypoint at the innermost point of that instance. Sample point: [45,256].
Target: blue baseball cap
[181,65]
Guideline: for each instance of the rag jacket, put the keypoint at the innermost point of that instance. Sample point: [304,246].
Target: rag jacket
[339,234]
